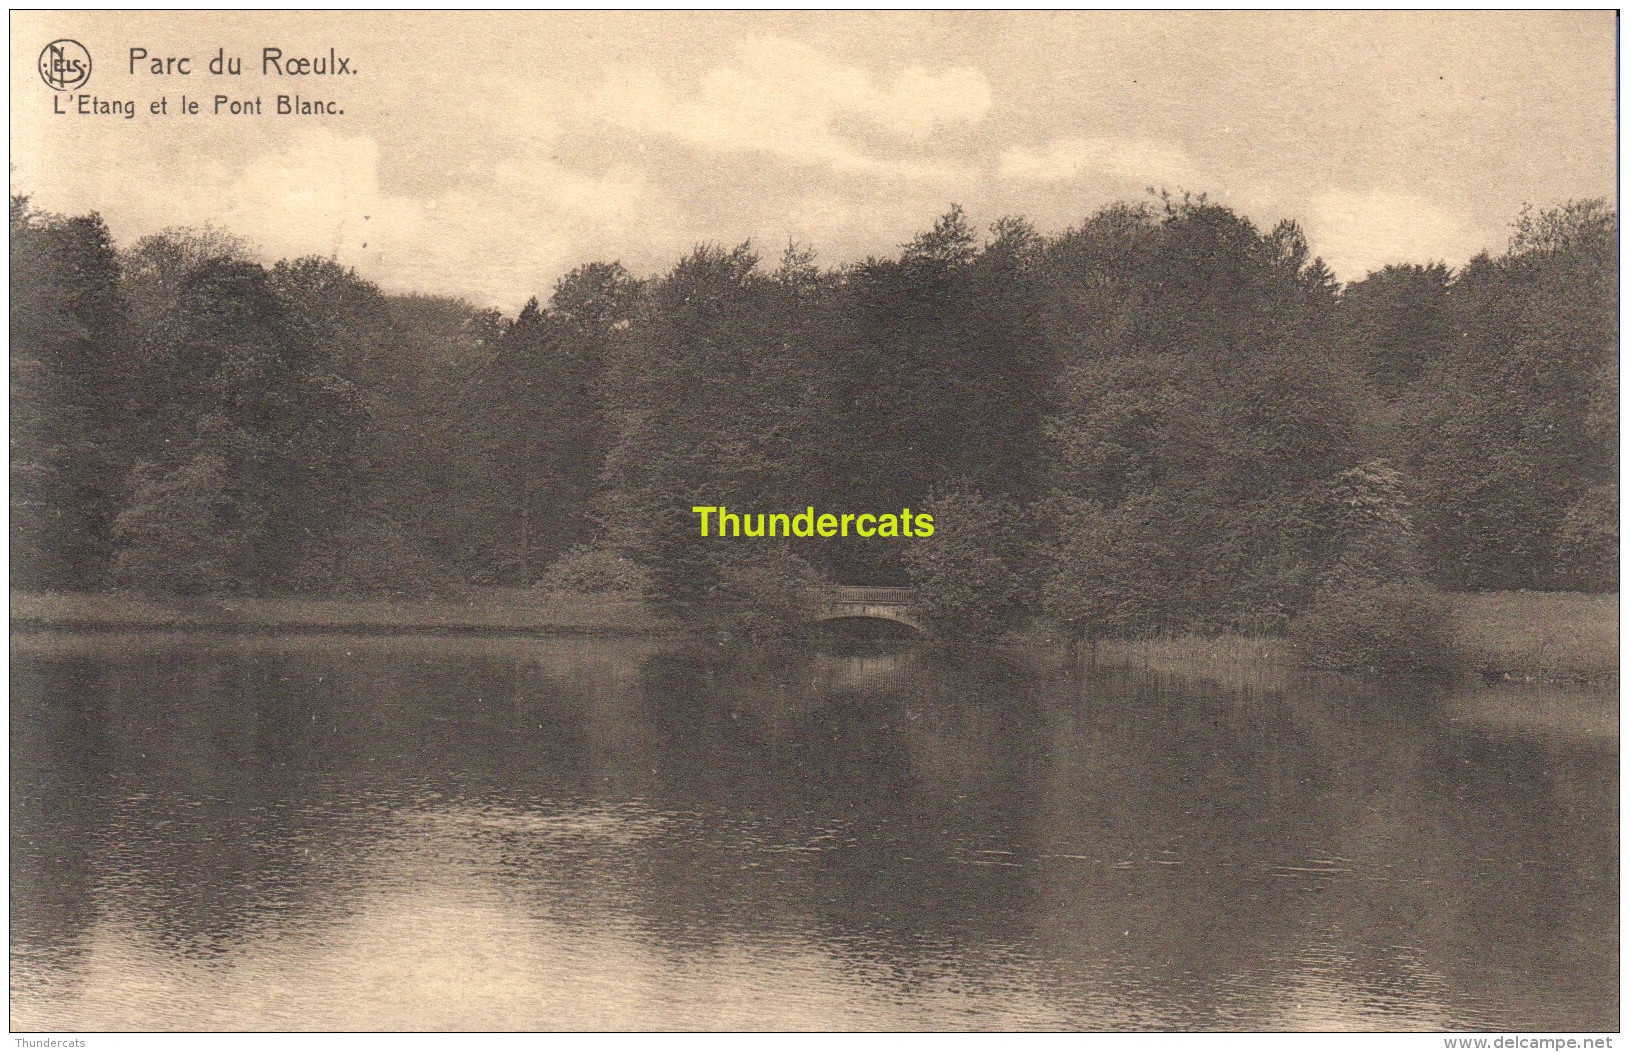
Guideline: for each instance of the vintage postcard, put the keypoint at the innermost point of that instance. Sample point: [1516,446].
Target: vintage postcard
[814,521]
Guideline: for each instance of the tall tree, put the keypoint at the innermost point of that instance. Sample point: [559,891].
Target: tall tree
[1397,323]
[1512,444]
[68,377]
[245,408]
[705,394]
[1199,408]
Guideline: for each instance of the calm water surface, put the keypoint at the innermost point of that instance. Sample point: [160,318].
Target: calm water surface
[349,833]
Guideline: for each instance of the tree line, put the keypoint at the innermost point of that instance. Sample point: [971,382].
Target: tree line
[1164,419]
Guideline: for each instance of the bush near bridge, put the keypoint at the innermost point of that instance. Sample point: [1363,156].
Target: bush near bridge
[967,579]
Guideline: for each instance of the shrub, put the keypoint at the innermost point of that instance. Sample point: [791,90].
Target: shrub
[369,555]
[967,575]
[1587,548]
[588,570]
[1155,566]
[1369,521]
[1356,626]
[1102,578]
[185,532]
[767,593]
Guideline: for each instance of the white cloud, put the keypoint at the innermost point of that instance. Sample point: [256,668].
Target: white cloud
[1357,232]
[499,235]
[787,100]
[1144,162]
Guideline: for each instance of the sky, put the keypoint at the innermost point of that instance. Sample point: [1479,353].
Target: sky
[486,154]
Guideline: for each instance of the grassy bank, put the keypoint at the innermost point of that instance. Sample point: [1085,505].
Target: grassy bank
[1542,637]
[1533,637]
[1552,637]
[485,611]
[1258,662]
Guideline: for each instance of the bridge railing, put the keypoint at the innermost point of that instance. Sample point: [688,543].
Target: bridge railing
[871,595]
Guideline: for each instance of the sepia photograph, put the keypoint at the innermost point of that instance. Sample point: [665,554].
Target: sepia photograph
[814,522]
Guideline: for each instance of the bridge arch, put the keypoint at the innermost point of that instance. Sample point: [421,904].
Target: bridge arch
[867,601]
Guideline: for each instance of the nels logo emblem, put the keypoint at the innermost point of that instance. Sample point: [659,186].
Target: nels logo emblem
[65,65]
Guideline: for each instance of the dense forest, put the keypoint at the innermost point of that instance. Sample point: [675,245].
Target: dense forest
[1165,419]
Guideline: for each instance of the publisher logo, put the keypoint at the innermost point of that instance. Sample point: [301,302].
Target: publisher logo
[65,65]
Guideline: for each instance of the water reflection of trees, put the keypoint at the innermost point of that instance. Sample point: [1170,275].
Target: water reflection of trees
[1189,851]
[1130,850]
[215,783]
[56,806]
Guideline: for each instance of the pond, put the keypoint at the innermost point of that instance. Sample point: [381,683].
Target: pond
[215,832]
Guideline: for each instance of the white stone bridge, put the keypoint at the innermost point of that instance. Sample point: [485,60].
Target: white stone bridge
[880,603]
